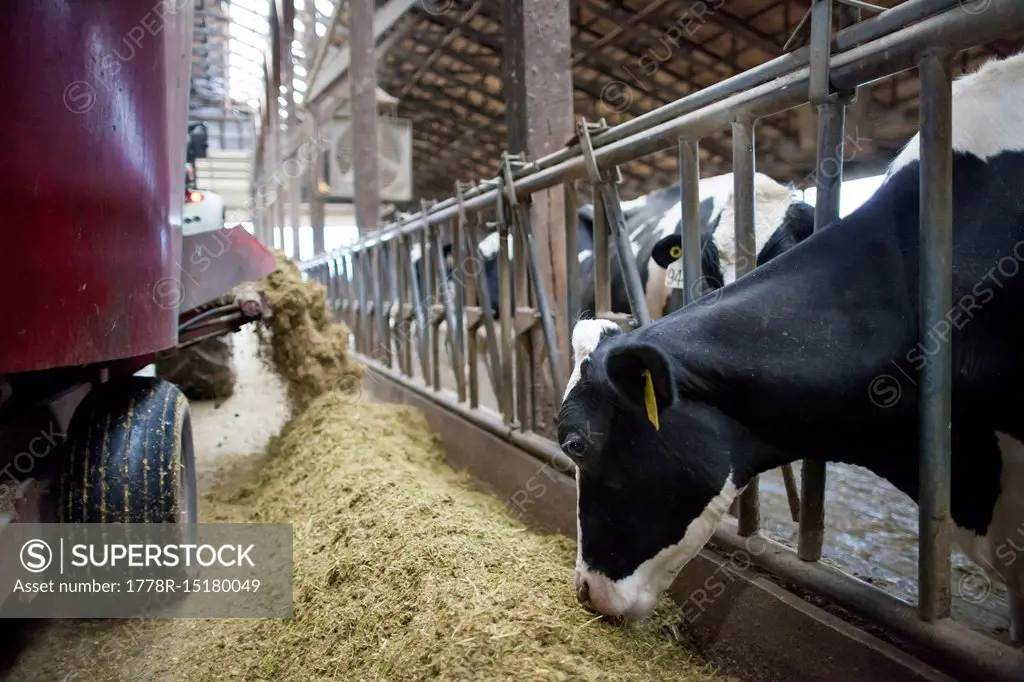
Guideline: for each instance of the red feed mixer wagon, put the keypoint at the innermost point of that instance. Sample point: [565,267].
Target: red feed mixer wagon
[95,276]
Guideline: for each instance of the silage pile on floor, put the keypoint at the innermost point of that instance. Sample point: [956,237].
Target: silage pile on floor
[403,572]
[303,344]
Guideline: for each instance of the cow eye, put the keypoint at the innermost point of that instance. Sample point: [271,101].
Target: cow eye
[574,446]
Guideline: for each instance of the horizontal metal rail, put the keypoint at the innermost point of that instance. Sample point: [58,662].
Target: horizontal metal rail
[872,54]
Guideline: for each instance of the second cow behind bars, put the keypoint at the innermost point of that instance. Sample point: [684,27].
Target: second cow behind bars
[653,222]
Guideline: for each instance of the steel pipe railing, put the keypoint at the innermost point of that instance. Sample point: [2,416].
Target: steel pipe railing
[936,280]
[957,28]
[746,251]
[902,15]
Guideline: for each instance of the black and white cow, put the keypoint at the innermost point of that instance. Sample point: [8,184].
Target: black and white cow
[654,227]
[630,209]
[489,250]
[813,356]
[797,225]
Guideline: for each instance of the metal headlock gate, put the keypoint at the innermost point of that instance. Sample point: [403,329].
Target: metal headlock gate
[382,311]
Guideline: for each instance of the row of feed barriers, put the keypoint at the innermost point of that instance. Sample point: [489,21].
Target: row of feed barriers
[438,335]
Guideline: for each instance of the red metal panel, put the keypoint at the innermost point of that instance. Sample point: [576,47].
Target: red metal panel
[93,107]
[213,263]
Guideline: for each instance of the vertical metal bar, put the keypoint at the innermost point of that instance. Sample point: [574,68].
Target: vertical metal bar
[572,267]
[358,263]
[295,212]
[472,235]
[426,313]
[524,345]
[831,121]
[820,48]
[454,325]
[408,304]
[743,192]
[432,295]
[791,495]
[370,320]
[507,325]
[627,261]
[459,290]
[383,344]
[341,292]
[936,283]
[473,357]
[369,270]
[829,172]
[279,203]
[689,171]
[348,288]
[469,264]
[544,304]
[602,258]
[743,199]
[331,275]
[353,289]
[416,303]
[397,296]
[394,300]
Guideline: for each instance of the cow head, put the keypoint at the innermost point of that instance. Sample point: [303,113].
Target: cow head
[652,475]
[797,224]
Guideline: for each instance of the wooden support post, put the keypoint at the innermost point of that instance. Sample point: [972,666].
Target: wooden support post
[537,65]
[364,114]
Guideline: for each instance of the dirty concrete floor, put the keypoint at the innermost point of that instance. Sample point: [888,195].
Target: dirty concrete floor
[242,424]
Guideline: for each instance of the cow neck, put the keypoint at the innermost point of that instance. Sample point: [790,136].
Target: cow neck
[790,350]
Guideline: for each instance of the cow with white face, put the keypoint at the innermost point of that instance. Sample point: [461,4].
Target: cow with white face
[810,356]
[797,225]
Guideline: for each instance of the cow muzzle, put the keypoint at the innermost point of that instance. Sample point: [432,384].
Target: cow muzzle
[616,600]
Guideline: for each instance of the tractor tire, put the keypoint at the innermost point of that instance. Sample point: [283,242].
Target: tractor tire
[129,456]
[203,371]
[130,459]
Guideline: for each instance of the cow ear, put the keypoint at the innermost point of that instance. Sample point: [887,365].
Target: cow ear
[668,250]
[641,376]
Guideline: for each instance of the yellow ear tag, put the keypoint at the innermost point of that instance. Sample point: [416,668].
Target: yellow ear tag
[649,400]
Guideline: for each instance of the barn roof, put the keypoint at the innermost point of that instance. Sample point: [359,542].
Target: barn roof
[442,62]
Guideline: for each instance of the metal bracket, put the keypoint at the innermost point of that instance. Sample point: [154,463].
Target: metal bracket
[507,162]
[460,200]
[424,210]
[583,130]
[819,88]
[587,147]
